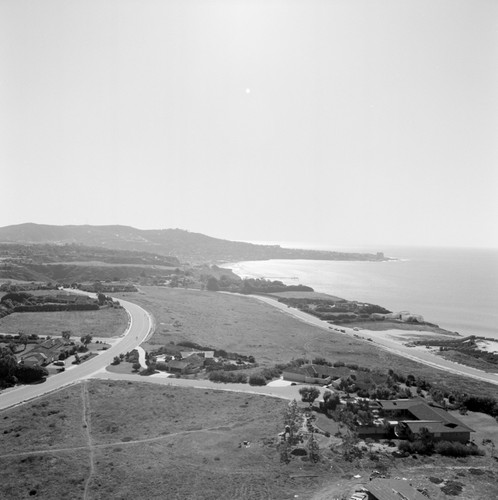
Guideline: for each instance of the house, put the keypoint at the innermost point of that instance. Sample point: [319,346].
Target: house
[34,359]
[44,353]
[391,489]
[192,364]
[203,354]
[413,415]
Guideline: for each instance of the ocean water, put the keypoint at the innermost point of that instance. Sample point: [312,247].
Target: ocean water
[455,288]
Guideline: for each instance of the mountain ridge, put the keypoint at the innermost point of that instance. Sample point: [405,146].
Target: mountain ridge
[185,245]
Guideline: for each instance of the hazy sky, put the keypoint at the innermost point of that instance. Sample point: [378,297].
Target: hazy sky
[337,121]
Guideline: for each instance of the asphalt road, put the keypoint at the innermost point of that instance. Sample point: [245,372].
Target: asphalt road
[137,331]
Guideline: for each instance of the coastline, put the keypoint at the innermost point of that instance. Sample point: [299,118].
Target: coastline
[452,287]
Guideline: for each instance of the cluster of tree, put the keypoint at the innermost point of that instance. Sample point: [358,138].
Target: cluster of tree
[26,302]
[334,310]
[264,376]
[356,414]
[11,372]
[251,285]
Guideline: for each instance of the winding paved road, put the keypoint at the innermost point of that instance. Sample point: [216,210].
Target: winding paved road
[139,327]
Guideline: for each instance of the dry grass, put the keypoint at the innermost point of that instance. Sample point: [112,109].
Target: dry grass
[248,326]
[50,422]
[149,442]
[158,442]
[107,322]
[49,476]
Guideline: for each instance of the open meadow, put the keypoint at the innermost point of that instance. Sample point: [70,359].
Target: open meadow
[106,322]
[129,440]
[247,326]
[151,442]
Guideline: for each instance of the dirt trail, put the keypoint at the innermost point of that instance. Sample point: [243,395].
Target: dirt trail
[87,425]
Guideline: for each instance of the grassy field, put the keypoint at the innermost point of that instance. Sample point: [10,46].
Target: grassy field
[247,326]
[151,442]
[103,439]
[102,323]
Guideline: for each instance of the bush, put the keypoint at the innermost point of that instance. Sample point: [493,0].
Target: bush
[28,374]
[451,449]
[338,364]
[227,377]
[416,447]
[270,373]
[257,379]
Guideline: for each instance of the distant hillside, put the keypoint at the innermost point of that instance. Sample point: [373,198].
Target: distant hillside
[186,246]
[76,263]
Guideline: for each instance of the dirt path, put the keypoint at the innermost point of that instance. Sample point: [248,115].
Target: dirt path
[87,425]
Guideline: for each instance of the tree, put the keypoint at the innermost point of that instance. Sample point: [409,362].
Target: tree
[8,363]
[23,339]
[350,451]
[292,422]
[212,284]
[136,367]
[101,298]
[66,335]
[331,401]
[29,374]
[313,449]
[86,339]
[284,449]
[309,394]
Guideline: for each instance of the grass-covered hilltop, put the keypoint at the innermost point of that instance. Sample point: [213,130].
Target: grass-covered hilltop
[227,388]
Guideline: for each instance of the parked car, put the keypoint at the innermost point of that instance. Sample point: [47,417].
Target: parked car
[59,363]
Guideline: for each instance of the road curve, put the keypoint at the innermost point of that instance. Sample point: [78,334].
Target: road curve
[138,330]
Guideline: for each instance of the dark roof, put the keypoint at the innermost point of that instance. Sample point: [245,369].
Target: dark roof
[194,359]
[399,404]
[435,427]
[421,411]
[393,489]
[178,364]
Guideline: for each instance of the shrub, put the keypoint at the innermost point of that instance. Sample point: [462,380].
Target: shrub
[257,379]
[451,449]
[28,374]
[227,377]
[338,364]
[270,373]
